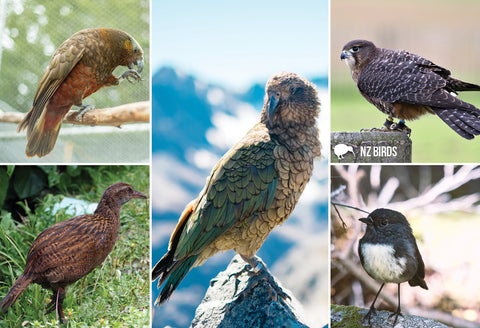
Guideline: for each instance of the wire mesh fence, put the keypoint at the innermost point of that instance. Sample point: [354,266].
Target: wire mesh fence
[31,31]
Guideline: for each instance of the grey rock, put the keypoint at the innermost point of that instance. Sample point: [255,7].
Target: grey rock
[244,297]
[351,316]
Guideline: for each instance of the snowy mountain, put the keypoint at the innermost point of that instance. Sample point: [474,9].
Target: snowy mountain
[193,124]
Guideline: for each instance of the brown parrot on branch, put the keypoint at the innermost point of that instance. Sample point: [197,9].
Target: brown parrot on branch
[253,188]
[71,249]
[82,65]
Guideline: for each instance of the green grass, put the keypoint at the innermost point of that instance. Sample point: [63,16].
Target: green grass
[115,294]
[432,140]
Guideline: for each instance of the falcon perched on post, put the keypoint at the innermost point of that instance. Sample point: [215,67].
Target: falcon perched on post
[406,86]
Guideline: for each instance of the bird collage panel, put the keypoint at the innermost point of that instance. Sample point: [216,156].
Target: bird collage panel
[255,164]
[404,164]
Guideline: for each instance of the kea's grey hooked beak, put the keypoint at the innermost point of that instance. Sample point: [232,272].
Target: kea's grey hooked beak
[138,63]
[271,107]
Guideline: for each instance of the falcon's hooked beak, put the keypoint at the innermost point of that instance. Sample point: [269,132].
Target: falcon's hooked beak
[347,55]
[272,106]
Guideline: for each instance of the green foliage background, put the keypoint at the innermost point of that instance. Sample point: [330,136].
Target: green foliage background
[115,294]
[35,28]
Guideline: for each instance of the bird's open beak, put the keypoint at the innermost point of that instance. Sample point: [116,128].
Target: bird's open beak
[138,194]
[271,107]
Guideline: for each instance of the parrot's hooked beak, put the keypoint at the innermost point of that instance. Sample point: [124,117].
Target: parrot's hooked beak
[271,107]
[138,63]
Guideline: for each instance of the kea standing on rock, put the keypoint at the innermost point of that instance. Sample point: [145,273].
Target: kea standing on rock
[69,250]
[253,188]
[79,67]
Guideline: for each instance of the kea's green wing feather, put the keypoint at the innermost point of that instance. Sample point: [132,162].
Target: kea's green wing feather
[242,183]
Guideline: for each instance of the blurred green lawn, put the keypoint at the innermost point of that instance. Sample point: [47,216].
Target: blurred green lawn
[432,140]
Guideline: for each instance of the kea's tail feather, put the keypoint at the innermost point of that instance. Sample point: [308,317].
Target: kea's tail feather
[175,271]
[41,137]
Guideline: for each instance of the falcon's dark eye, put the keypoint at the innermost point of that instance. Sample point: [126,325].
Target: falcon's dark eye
[292,90]
[384,222]
[355,49]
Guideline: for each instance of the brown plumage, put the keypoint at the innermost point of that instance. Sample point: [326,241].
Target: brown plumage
[69,250]
[407,86]
[82,65]
[253,188]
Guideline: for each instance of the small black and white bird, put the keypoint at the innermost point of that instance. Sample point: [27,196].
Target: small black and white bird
[389,253]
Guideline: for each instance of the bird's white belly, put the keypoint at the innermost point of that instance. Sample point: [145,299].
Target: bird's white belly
[380,263]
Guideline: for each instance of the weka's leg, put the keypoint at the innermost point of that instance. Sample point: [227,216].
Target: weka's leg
[57,304]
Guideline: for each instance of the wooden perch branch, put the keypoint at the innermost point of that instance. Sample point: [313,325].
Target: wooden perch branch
[138,112]
[11,117]
[116,116]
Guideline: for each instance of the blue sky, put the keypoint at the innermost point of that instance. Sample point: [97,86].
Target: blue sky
[237,43]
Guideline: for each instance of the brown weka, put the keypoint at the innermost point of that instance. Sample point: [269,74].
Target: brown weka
[69,250]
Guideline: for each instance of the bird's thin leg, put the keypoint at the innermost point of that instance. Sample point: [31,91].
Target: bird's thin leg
[61,297]
[388,122]
[56,303]
[82,110]
[398,312]
[52,304]
[372,307]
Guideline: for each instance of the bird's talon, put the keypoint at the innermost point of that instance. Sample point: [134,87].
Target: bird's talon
[368,316]
[396,314]
[373,130]
[131,76]
[402,127]
[246,268]
[83,109]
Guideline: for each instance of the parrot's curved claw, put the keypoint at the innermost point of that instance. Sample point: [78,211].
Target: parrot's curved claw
[83,110]
[131,76]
